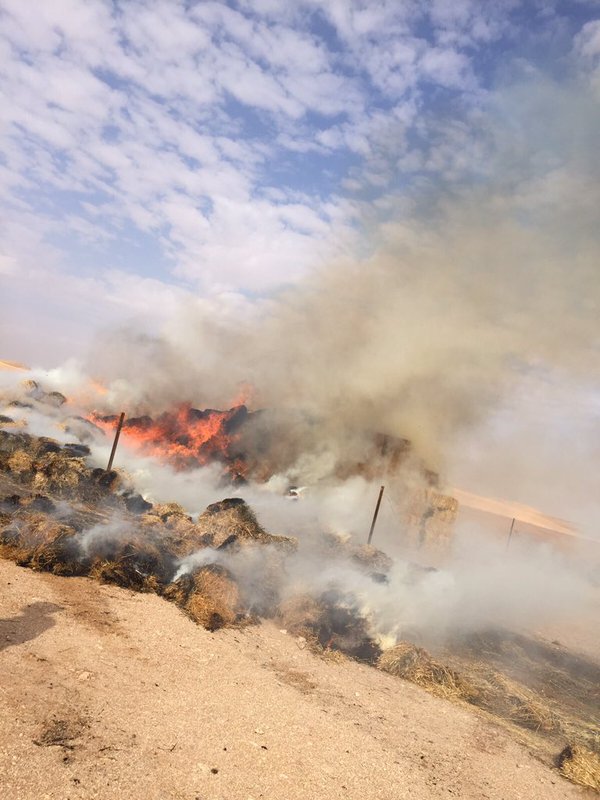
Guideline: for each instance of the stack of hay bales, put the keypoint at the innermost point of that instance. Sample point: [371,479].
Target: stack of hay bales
[211,595]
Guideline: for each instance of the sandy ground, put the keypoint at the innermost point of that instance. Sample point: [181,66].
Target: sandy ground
[107,694]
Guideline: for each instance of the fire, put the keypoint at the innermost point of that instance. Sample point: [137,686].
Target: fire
[186,437]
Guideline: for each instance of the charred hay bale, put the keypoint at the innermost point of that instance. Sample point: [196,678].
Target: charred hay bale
[76,450]
[61,556]
[179,591]
[233,517]
[139,562]
[102,481]
[214,600]
[11,441]
[135,503]
[178,526]
[39,541]
[151,522]
[331,621]
[42,445]
[300,614]
[55,399]
[83,429]
[406,660]
[580,765]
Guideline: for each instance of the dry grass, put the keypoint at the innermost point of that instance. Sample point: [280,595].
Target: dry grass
[580,765]
[415,664]
[512,701]
[476,684]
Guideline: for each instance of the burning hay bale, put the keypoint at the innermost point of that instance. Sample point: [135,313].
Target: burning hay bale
[214,599]
[331,621]
[580,765]
[373,560]
[415,664]
[40,542]
[171,517]
[369,559]
[233,521]
[142,569]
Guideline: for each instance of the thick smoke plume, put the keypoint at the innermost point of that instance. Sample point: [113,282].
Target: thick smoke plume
[490,274]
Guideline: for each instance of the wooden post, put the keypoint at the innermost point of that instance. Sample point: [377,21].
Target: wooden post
[510,533]
[116,442]
[375,515]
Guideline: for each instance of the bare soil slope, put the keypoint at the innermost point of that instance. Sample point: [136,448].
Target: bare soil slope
[106,693]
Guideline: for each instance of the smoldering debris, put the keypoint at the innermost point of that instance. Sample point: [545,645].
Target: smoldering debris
[223,568]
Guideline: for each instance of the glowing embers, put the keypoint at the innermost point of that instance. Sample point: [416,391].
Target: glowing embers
[186,437]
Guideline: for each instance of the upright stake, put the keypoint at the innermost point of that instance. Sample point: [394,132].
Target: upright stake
[510,533]
[375,515]
[116,441]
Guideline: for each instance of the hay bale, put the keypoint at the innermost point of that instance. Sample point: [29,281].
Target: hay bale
[580,765]
[59,473]
[406,660]
[167,511]
[234,517]
[140,563]
[300,614]
[40,542]
[20,462]
[371,558]
[331,621]
[214,599]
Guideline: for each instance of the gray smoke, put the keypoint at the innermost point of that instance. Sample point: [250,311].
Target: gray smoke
[490,275]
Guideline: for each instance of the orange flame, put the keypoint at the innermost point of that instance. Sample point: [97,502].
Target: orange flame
[185,437]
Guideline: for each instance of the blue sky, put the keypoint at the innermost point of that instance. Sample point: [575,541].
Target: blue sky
[155,152]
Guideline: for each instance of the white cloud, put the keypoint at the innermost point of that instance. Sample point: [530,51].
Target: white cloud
[224,132]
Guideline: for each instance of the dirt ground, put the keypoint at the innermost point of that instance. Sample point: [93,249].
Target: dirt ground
[106,693]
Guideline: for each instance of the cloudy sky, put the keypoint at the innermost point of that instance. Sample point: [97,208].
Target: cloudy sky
[153,152]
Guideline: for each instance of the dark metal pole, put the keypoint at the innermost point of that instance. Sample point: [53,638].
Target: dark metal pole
[116,441]
[510,533]
[375,515]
